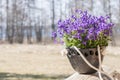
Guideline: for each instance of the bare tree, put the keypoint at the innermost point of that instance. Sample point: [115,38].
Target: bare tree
[119,10]
[110,14]
[20,15]
[38,31]
[53,14]
[9,31]
[109,10]
[7,9]
[1,21]
[60,9]
[29,27]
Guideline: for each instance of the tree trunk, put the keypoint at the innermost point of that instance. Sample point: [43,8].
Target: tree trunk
[61,10]
[109,10]
[39,34]
[53,15]
[110,14]
[7,9]
[119,11]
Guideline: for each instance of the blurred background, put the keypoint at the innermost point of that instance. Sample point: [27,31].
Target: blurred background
[27,50]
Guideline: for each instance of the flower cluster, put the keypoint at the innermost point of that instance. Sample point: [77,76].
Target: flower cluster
[84,30]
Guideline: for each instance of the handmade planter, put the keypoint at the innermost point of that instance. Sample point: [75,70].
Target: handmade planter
[79,64]
[85,32]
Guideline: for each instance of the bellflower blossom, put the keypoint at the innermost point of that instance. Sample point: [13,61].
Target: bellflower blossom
[84,30]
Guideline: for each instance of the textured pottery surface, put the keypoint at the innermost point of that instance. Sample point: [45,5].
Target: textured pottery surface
[79,64]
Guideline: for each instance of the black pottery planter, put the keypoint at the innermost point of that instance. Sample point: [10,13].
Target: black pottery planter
[79,64]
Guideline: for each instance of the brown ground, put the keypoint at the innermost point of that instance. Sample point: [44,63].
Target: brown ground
[42,62]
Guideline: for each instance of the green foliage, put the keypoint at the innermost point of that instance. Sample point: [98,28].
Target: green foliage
[101,41]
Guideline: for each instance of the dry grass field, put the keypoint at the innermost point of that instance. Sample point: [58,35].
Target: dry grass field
[42,62]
